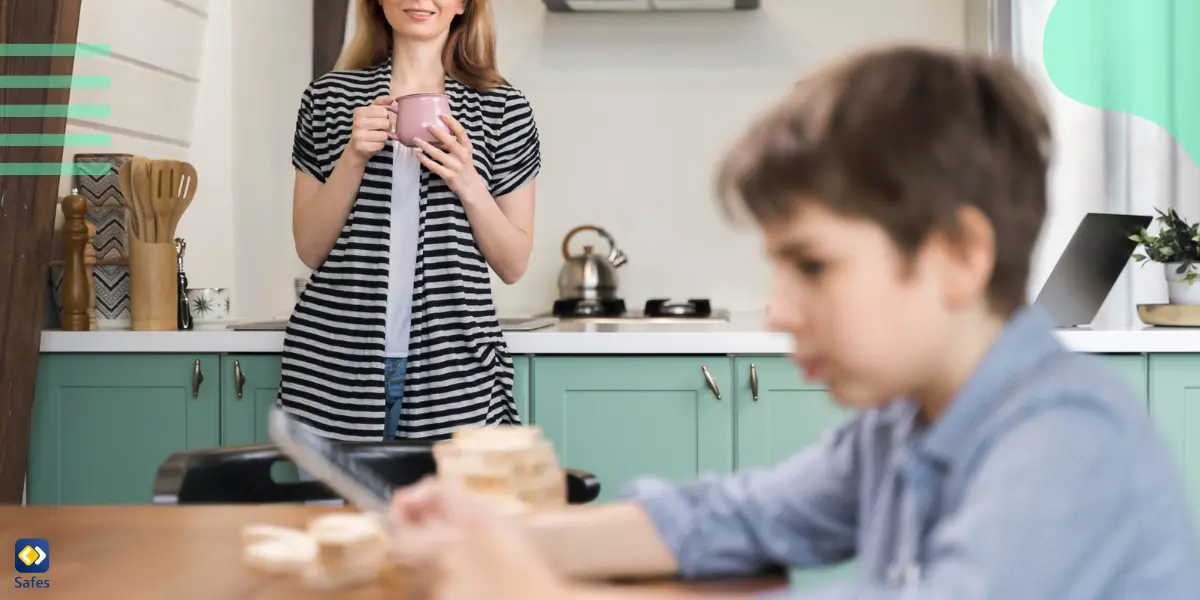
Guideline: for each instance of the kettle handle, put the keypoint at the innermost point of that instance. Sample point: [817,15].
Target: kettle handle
[566,246]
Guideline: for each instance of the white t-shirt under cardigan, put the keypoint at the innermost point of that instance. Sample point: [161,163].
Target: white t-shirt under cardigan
[405,225]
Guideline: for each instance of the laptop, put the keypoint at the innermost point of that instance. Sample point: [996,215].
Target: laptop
[1089,267]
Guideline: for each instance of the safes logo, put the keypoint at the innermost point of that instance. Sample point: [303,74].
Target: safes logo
[31,555]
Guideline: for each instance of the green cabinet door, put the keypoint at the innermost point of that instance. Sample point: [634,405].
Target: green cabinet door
[1175,406]
[249,388]
[1132,368]
[103,423]
[778,413]
[521,388]
[625,416]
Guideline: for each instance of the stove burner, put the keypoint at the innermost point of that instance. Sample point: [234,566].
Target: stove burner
[694,308]
[578,307]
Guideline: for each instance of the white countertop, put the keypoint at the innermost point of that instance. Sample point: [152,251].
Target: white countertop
[742,334]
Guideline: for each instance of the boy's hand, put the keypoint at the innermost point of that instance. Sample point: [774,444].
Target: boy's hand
[466,551]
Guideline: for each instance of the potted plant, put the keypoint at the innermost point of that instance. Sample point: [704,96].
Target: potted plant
[1177,247]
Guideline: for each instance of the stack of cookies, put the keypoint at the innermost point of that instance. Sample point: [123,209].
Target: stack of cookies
[513,468]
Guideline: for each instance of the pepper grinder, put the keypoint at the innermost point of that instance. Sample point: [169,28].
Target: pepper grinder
[185,315]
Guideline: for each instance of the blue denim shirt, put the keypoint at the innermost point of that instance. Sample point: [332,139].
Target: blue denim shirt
[1043,479]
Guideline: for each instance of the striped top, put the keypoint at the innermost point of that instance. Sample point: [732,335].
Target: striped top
[459,371]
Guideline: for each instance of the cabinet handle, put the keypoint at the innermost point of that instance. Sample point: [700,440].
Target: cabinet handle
[712,383]
[753,383]
[239,378]
[197,379]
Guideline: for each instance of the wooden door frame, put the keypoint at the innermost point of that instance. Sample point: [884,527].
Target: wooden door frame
[28,203]
[329,33]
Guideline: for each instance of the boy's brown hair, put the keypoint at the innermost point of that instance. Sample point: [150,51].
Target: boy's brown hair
[906,137]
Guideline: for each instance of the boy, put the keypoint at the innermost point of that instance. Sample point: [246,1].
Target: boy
[900,194]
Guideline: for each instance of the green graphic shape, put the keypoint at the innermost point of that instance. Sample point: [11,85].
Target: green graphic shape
[79,50]
[54,139]
[45,111]
[1139,57]
[55,81]
[55,169]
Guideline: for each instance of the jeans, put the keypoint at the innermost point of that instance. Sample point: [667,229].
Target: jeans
[393,370]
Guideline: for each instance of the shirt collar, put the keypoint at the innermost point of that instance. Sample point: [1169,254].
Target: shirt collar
[1025,343]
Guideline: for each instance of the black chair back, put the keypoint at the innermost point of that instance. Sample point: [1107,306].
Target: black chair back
[242,474]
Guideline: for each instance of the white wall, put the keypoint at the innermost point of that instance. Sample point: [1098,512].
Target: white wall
[154,71]
[633,110]
[272,52]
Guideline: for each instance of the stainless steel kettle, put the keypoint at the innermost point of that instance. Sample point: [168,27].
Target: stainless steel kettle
[589,276]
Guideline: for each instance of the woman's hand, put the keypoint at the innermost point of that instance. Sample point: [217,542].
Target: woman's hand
[454,163]
[372,128]
[465,551]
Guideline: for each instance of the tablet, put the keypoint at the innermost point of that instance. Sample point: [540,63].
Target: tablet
[353,479]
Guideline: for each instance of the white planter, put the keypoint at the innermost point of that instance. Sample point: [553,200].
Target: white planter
[1180,292]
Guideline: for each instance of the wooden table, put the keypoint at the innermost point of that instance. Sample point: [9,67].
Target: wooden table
[184,553]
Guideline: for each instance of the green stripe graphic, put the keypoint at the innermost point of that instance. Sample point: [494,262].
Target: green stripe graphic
[44,111]
[55,50]
[55,169]
[1137,57]
[55,81]
[54,139]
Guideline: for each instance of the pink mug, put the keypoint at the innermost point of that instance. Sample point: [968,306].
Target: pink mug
[416,113]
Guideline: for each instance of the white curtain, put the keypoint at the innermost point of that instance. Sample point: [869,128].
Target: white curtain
[1104,161]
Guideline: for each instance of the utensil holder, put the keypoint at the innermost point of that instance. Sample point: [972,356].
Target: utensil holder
[153,286]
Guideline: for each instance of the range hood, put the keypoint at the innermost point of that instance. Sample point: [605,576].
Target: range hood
[648,5]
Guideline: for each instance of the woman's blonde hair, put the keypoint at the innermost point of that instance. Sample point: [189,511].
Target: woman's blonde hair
[469,55]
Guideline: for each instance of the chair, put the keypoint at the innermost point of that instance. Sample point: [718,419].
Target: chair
[242,474]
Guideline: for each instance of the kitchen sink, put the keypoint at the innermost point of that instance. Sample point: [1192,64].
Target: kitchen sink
[526,323]
[273,325]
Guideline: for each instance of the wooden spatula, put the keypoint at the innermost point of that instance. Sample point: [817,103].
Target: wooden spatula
[162,202]
[185,190]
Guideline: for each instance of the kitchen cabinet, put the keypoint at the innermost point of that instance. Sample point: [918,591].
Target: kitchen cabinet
[102,423]
[624,416]
[1175,407]
[778,413]
[1133,369]
[249,389]
[521,389]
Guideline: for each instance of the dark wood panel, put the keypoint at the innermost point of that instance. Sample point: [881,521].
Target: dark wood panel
[329,33]
[27,207]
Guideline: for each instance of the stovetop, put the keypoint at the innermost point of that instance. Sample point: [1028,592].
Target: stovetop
[656,310]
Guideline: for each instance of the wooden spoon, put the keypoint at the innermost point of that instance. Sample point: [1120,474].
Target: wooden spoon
[125,179]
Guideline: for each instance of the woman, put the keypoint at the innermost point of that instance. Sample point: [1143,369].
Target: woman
[399,305]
